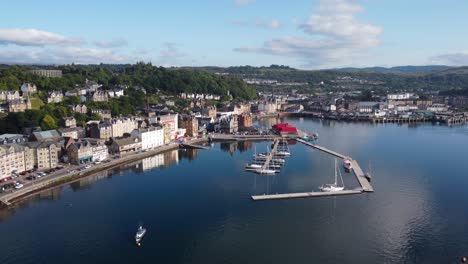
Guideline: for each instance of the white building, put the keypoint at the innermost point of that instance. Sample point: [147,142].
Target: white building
[100,152]
[150,137]
[11,159]
[400,96]
[122,126]
[437,108]
[28,88]
[171,119]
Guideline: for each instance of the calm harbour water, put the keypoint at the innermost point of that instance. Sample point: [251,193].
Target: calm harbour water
[197,208]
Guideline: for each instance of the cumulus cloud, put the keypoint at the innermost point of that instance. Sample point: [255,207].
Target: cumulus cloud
[114,43]
[61,55]
[260,23]
[243,2]
[452,59]
[34,37]
[333,34]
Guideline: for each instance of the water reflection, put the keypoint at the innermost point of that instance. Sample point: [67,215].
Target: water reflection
[232,147]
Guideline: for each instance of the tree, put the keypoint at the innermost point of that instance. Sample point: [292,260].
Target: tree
[72,100]
[48,123]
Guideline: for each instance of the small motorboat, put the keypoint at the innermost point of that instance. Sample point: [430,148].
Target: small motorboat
[253,166]
[139,235]
[347,165]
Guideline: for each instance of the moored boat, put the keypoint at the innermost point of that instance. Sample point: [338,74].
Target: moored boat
[334,187]
[347,164]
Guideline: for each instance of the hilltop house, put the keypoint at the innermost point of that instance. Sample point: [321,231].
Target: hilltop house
[54,97]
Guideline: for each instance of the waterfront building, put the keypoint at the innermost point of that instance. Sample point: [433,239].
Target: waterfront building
[122,126]
[400,96]
[437,108]
[285,129]
[80,152]
[54,97]
[101,131]
[267,107]
[68,121]
[19,105]
[73,132]
[209,111]
[367,107]
[28,88]
[422,104]
[245,120]
[190,124]
[171,119]
[29,158]
[167,133]
[125,146]
[458,101]
[45,154]
[99,150]
[47,73]
[11,160]
[150,137]
[228,124]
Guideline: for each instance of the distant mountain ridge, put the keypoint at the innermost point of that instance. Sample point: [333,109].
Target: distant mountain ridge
[400,69]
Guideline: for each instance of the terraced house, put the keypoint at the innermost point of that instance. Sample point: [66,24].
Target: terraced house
[80,152]
[54,97]
[45,154]
[11,160]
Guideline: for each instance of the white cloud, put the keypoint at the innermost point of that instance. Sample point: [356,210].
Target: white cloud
[114,43]
[260,23]
[451,59]
[243,2]
[64,55]
[272,24]
[34,37]
[332,35]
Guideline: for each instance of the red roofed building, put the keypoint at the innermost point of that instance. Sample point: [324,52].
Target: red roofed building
[284,129]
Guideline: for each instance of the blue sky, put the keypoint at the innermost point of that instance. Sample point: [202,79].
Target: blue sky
[307,34]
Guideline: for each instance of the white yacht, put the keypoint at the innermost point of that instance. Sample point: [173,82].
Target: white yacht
[139,235]
[334,186]
[283,153]
[253,166]
[265,171]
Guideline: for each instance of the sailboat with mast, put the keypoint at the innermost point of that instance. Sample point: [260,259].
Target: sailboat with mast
[334,186]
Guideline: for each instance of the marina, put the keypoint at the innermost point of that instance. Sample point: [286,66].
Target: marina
[353,166]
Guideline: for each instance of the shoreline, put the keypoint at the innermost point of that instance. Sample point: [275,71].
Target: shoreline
[9,199]
[453,120]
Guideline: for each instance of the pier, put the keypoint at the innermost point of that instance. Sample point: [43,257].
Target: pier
[303,195]
[365,184]
[271,154]
[329,151]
